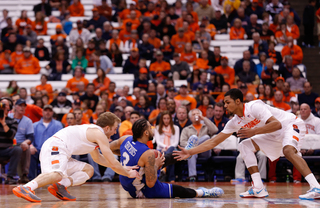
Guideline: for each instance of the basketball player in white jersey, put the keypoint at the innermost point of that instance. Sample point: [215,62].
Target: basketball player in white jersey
[261,127]
[62,171]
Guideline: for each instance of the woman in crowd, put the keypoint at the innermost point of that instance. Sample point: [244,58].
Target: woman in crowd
[260,91]
[101,83]
[162,106]
[85,107]
[22,22]
[188,55]
[12,88]
[166,48]
[195,77]
[115,55]
[39,25]
[80,60]
[143,106]
[262,64]
[205,102]
[99,109]
[59,66]
[78,45]
[218,83]
[166,137]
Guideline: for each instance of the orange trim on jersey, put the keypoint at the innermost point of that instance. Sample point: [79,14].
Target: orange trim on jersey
[54,162]
[296,138]
[55,148]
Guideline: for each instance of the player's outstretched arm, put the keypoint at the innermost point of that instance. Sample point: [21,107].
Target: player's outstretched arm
[98,137]
[151,165]
[115,145]
[205,146]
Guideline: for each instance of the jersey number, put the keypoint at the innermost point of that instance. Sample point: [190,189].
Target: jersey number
[125,159]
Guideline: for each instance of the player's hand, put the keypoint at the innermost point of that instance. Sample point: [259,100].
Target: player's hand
[245,133]
[182,154]
[132,173]
[159,161]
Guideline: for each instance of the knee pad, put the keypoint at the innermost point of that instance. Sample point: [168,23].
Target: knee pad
[79,178]
[247,151]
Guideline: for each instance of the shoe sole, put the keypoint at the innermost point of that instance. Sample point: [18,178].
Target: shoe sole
[21,195]
[54,192]
[310,199]
[253,196]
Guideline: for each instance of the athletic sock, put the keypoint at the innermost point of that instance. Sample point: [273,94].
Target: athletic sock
[257,182]
[32,185]
[66,182]
[199,192]
[312,181]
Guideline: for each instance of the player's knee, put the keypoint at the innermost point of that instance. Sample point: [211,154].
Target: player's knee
[288,151]
[88,169]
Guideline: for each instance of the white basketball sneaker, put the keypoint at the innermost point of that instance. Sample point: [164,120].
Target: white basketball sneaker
[255,193]
[313,193]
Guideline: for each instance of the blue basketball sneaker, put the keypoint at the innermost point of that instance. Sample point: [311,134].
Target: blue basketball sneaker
[255,193]
[214,192]
[192,142]
[313,193]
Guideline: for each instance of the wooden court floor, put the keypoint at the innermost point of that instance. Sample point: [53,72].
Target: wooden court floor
[94,195]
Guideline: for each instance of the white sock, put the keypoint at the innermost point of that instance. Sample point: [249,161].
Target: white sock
[312,181]
[66,182]
[32,185]
[257,182]
[199,192]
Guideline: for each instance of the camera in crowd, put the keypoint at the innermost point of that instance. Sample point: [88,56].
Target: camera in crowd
[2,107]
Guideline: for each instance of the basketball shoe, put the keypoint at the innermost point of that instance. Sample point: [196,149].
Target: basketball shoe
[25,193]
[255,193]
[214,192]
[61,192]
[313,193]
[192,142]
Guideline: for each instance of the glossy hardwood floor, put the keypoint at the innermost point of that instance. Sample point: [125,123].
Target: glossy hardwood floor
[94,195]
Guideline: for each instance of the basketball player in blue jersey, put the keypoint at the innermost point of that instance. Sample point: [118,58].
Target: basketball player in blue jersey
[134,151]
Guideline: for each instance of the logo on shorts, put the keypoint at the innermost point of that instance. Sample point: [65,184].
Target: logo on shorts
[55,148]
[295,127]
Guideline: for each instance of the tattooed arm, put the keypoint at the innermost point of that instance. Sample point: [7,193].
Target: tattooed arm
[151,165]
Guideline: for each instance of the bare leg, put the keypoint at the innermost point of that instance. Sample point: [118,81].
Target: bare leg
[291,154]
[48,178]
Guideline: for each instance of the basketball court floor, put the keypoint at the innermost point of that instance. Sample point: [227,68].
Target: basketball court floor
[94,195]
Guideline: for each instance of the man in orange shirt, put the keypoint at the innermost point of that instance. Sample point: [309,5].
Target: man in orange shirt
[133,19]
[76,9]
[28,64]
[287,94]
[82,119]
[115,39]
[278,101]
[193,26]
[72,83]
[294,50]
[153,40]
[125,34]
[54,38]
[183,95]
[292,28]
[105,10]
[6,63]
[178,41]
[160,65]
[203,62]
[125,14]
[182,19]
[44,87]
[187,31]
[210,28]
[227,72]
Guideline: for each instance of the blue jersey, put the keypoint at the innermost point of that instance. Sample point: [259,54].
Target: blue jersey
[130,154]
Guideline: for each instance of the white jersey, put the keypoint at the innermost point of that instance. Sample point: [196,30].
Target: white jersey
[255,114]
[75,138]
[312,124]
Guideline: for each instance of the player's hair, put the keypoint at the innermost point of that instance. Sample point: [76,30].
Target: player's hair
[234,94]
[107,119]
[138,128]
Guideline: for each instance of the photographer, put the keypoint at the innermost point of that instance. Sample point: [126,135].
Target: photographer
[8,129]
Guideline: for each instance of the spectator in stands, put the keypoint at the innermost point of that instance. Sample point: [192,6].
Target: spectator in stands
[17,55]
[294,50]
[166,28]
[183,95]
[203,131]
[161,107]
[12,88]
[76,9]
[292,28]
[153,40]
[203,82]
[142,80]
[22,22]
[105,10]
[282,34]
[160,65]
[80,60]
[144,107]
[76,105]
[73,83]
[59,66]
[273,8]
[24,138]
[60,45]
[180,70]
[90,50]
[107,29]
[237,32]
[61,105]
[102,62]
[6,63]
[253,26]
[53,38]
[261,66]
[4,23]
[8,131]
[89,95]
[132,42]
[79,114]
[227,72]
[202,63]
[126,124]
[40,25]
[78,45]
[13,40]
[287,94]
[308,96]
[125,34]
[238,64]
[255,9]
[99,109]
[266,34]
[131,64]
[234,5]
[308,22]
[205,9]
[45,88]
[188,55]
[98,38]
[115,55]
[43,7]
[23,94]
[42,52]
[258,45]
[101,83]
[71,119]
[43,130]
[81,32]
[178,41]
[286,67]
[296,81]
[194,78]
[220,22]
[28,64]
[219,119]
[316,111]
[210,28]
[31,36]
[96,21]
[182,120]
[245,20]
[114,39]
[273,54]
[266,74]
[125,13]
[166,136]
[145,48]
[188,30]
[247,76]
[278,101]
